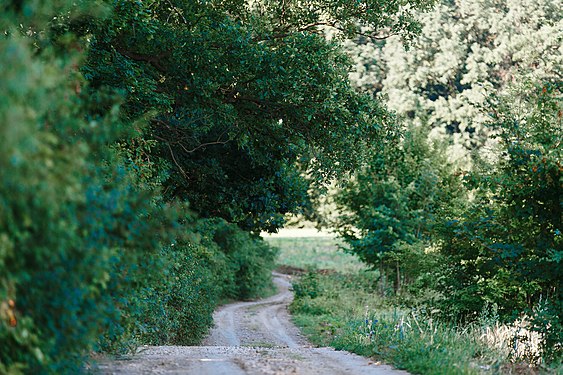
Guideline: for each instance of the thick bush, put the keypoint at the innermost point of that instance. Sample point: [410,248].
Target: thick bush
[250,259]
[179,306]
[506,248]
[91,256]
[68,212]
[173,293]
[390,208]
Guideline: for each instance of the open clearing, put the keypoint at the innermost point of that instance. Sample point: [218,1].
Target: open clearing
[248,338]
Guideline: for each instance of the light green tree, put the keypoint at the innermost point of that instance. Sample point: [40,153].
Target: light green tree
[466,51]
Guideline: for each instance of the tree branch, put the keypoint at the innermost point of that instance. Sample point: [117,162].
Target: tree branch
[205,144]
[154,60]
[332,24]
[175,9]
[176,162]
[179,143]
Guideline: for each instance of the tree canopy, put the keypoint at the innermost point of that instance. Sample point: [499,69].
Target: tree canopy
[115,113]
[238,94]
[466,51]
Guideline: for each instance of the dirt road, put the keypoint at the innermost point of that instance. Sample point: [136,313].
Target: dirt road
[249,338]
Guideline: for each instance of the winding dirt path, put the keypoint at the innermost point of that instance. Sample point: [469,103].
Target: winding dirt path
[249,338]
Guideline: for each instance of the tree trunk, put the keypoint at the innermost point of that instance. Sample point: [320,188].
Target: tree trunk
[398,280]
[382,283]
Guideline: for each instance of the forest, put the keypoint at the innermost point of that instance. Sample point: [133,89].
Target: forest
[146,144]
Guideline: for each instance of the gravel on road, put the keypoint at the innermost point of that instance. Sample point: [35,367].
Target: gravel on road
[249,338]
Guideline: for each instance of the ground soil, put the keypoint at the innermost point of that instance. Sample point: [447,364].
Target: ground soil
[248,338]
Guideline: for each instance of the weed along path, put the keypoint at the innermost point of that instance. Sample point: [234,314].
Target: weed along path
[249,338]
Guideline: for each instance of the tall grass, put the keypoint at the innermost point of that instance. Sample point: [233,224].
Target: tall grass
[339,311]
[342,309]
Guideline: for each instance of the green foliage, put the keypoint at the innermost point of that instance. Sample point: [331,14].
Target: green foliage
[180,304]
[68,211]
[348,314]
[495,241]
[238,93]
[391,207]
[249,260]
[307,285]
[498,240]
[91,257]
[546,320]
[506,248]
[176,291]
[446,75]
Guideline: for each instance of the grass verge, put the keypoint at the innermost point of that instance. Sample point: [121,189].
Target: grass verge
[342,309]
[345,313]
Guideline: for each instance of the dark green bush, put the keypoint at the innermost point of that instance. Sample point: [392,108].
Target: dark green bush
[68,212]
[174,293]
[180,305]
[391,207]
[506,248]
[250,259]
[307,286]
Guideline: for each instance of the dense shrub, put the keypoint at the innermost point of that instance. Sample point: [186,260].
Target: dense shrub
[307,285]
[390,208]
[250,260]
[175,291]
[68,212]
[180,304]
[91,257]
[495,241]
[212,261]
[506,248]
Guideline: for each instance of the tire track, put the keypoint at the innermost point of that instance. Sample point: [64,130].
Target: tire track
[249,338]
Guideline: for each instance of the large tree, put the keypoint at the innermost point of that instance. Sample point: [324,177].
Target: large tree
[466,50]
[243,95]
